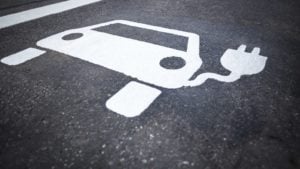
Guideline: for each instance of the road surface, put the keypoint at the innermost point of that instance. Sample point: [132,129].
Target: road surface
[53,110]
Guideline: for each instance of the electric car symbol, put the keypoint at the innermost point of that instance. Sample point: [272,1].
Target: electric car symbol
[134,58]
[143,61]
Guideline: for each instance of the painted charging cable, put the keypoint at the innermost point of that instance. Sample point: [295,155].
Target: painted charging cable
[199,80]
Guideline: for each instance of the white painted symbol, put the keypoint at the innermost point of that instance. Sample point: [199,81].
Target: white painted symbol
[142,60]
[134,58]
[238,62]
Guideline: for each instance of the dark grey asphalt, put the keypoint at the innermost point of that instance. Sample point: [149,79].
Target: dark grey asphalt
[53,114]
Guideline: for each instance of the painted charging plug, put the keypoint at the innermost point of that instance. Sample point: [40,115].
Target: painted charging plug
[141,60]
[238,62]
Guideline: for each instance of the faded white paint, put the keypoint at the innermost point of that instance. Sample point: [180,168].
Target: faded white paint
[32,14]
[132,99]
[22,56]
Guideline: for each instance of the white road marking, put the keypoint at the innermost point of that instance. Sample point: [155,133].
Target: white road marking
[238,62]
[141,60]
[132,99]
[132,57]
[22,56]
[32,14]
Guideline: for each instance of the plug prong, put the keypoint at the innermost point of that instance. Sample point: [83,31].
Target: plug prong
[256,51]
[242,48]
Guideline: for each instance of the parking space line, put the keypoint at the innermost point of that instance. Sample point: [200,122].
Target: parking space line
[32,14]
[22,56]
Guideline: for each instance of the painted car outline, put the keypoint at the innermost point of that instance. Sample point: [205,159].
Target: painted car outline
[150,72]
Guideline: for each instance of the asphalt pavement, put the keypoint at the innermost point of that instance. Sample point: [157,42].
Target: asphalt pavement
[53,110]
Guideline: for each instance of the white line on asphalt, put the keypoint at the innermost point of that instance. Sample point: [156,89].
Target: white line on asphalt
[32,14]
[22,56]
